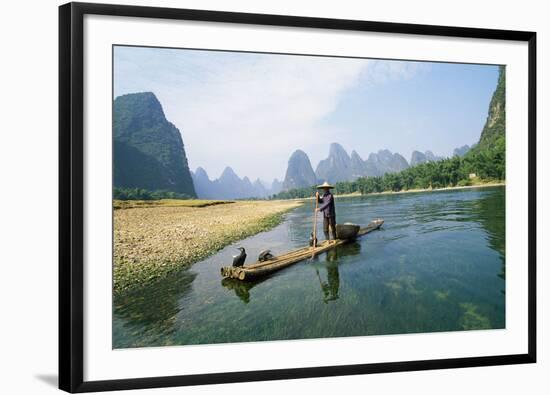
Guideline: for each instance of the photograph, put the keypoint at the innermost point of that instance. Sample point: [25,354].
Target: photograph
[273,196]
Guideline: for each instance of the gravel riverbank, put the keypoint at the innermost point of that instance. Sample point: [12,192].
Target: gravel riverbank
[151,242]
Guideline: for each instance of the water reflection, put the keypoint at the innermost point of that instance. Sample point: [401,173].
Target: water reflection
[491,216]
[331,285]
[438,264]
[242,288]
[149,313]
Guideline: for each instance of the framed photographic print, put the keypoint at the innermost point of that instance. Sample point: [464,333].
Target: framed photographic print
[253,197]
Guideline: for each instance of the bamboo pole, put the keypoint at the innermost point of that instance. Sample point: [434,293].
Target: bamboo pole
[315,226]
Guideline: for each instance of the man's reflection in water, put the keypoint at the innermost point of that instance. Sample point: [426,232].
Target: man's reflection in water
[332,285]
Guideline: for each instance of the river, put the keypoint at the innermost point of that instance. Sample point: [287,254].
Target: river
[437,264]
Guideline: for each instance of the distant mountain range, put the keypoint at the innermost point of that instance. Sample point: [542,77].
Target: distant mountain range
[418,157]
[384,162]
[339,166]
[461,151]
[231,186]
[149,154]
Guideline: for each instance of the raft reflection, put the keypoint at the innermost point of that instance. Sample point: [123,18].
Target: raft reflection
[329,261]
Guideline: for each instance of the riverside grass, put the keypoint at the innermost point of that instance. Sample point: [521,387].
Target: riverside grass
[124,204]
[153,240]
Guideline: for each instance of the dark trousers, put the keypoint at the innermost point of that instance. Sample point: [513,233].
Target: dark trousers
[329,221]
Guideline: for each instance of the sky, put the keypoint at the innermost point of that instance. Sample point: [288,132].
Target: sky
[250,111]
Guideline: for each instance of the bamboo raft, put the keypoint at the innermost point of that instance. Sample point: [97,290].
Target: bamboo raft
[259,269]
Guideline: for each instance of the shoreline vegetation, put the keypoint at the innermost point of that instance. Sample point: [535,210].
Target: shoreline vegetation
[155,238]
[450,188]
[190,203]
[481,165]
[417,190]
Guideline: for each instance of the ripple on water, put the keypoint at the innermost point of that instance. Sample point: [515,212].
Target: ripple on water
[437,265]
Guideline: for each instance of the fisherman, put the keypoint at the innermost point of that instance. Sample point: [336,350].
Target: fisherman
[328,209]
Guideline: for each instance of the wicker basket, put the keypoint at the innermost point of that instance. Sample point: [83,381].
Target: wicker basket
[347,231]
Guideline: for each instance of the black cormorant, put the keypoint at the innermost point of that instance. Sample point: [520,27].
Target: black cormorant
[312,239]
[238,260]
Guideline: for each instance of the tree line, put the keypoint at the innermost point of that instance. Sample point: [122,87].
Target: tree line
[488,164]
[145,194]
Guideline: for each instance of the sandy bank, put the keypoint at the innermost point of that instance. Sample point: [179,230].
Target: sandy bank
[496,184]
[151,242]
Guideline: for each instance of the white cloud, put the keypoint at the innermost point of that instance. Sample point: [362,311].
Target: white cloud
[387,71]
[248,111]
[254,115]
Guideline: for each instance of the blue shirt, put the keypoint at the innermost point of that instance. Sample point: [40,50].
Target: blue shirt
[327,204]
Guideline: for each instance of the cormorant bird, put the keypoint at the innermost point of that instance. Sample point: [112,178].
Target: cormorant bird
[265,255]
[312,239]
[238,260]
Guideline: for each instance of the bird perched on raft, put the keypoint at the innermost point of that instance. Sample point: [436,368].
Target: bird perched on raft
[265,255]
[238,260]
[312,240]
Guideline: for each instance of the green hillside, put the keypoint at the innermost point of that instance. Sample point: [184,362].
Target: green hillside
[148,150]
[495,126]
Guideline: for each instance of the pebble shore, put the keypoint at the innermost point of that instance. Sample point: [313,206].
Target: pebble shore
[151,242]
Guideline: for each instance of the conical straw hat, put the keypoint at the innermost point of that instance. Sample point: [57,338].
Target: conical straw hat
[325,185]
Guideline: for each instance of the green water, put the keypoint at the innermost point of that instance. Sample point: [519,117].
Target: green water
[437,264]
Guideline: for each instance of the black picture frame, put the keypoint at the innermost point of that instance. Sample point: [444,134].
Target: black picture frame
[71,204]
